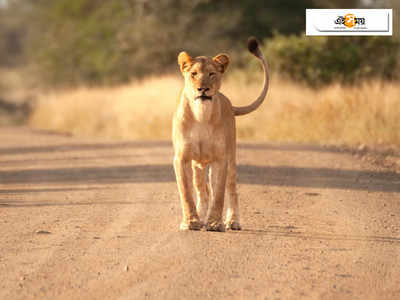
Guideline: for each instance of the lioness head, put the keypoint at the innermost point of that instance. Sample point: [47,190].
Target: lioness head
[202,75]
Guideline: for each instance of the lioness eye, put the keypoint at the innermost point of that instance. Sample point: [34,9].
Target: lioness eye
[194,74]
[211,74]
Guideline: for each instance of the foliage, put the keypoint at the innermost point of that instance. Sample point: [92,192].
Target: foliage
[11,34]
[322,60]
[104,42]
[76,44]
[97,42]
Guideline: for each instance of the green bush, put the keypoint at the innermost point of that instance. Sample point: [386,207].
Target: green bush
[105,42]
[77,41]
[323,60]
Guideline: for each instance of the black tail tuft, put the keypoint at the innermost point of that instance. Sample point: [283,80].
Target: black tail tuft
[252,45]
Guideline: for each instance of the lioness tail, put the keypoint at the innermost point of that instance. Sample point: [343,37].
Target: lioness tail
[252,45]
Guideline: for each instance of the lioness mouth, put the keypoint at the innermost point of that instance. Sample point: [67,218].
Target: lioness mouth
[204,97]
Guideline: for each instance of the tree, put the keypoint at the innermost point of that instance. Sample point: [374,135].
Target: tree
[97,42]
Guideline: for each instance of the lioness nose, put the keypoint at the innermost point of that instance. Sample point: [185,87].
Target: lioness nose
[203,89]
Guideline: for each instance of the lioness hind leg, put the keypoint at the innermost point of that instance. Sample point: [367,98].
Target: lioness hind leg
[183,171]
[201,190]
[232,220]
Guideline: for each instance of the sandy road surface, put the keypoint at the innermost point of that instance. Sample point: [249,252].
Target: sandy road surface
[91,219]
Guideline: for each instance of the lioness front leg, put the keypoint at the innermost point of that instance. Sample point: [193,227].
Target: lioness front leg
[201,189]
[184,178]
[218,182]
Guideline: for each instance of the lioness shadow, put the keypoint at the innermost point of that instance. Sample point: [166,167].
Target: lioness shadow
[247,174]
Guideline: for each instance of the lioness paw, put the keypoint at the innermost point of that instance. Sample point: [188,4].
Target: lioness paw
[192,225]
[215,226]
[233,225]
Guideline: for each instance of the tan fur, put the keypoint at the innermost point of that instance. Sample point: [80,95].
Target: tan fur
[204,135]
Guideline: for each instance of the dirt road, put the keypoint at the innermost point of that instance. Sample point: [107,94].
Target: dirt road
[93,219]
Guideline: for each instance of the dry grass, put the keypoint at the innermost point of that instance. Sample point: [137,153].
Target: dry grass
[141,110]
[15,95]
[368,114]
[16,85]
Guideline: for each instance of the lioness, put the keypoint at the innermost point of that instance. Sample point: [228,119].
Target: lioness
[204,135]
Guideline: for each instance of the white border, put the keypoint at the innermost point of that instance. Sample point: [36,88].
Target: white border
[320,22]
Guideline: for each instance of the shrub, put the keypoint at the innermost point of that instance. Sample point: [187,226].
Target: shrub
[323,60]
[98,42]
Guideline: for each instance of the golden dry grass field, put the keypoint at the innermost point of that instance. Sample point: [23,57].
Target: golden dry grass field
[351,115]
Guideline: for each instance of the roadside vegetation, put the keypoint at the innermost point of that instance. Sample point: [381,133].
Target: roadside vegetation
[108,69]
[293,112]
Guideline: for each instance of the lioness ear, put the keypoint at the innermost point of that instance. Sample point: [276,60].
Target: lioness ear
[222,61]
[184,61]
